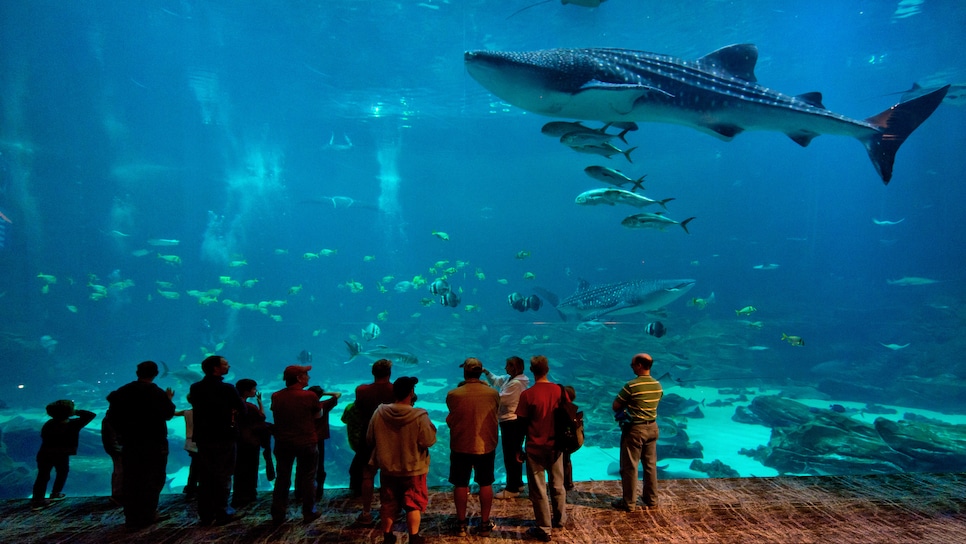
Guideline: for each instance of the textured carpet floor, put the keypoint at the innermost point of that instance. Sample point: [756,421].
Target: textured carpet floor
[855,509]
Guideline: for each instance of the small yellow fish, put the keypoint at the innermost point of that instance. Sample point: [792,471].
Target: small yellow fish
[793,340]
[328,252]
[382,288]
[529,276]
[164,284]
[388,279]
[236,264]
[480,275]
[47,278]
[368,258]
[502,281]
[471,308]
[172,295]
[277,318]
[295,289]
[310,256]
[441,235]
[206,300]
[440,264]
[170,259]
[418,281]
[523,254]
[354,286]
[746,310]
[45,289]
[281,252]
[382,316]
[72,309]
[249,283]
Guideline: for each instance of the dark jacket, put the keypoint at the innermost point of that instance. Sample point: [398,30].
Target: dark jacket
[216,405]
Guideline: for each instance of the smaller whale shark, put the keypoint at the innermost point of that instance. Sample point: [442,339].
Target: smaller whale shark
[591,302]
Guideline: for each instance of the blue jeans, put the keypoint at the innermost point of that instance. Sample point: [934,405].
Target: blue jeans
[639,443]
[552,509]
[308,462]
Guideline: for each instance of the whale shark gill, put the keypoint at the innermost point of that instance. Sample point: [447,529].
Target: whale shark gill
[592,302]
[717,94]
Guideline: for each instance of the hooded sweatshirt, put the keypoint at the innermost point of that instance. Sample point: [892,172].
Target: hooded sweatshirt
[400,436]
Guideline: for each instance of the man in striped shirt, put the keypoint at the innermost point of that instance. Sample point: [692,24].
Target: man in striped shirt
[638,400]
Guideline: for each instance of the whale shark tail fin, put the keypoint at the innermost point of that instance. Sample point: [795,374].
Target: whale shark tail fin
[896,124]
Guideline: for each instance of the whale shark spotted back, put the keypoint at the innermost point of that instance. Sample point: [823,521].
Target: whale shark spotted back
[717,94]
[592,302]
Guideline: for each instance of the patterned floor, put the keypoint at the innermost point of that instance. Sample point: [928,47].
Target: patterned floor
[856,509]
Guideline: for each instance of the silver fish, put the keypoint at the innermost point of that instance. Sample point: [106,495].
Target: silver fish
[611,196]
[653,221]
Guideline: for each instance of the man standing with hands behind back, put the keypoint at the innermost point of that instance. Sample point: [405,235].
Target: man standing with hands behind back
[639,399]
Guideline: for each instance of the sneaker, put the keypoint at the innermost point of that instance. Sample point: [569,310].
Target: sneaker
[57,496]
[390,538]
[621,505]
[537,533]
[416,539]
[485,528]
[460,528]
[506,495]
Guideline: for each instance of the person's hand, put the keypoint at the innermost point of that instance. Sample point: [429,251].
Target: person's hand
[258,397]
[336,395]
[169,392]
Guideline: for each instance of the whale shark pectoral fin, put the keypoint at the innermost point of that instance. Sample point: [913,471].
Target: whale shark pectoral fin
[622,97]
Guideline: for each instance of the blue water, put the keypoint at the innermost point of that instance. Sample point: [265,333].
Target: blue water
[230,127]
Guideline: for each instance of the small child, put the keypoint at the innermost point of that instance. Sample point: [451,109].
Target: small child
[59,438]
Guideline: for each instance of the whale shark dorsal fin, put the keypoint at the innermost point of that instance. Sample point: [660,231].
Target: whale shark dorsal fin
[813,98]
[738,60]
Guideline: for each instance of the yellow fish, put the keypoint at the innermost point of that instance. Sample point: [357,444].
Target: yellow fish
[295,290]
[746,310]
[47,278]
[522,254]
[170,259]
[236,264]
[529,276]
[310,256]
[793,340]
[441,235]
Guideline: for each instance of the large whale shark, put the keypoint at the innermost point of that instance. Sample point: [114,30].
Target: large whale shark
[592,302]
[716,94]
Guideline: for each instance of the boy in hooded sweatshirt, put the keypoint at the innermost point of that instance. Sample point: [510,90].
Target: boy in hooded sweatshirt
[400,436]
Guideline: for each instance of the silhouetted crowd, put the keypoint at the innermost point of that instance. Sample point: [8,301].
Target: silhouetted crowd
[227,435]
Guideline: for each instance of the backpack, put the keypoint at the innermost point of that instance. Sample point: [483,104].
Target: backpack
[568,425]
[355,427]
